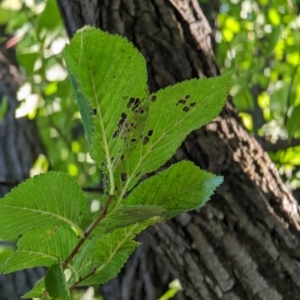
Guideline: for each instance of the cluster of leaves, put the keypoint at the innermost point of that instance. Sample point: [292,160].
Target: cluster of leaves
[261,40]
[130,134]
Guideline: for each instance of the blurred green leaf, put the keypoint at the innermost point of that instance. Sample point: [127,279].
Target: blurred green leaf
[278,98]
[27,61]
[6,15]
[49,19]
[293,122]
[3,107]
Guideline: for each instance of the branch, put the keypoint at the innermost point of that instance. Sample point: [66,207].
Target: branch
[88,232]
[81,241]
[93,189]
[280,144]
[8,183]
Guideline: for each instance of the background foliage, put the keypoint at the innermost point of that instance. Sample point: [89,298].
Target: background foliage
[260,40]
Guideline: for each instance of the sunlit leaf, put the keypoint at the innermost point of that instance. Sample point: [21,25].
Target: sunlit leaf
[42,201]
[41,247]
[106,254]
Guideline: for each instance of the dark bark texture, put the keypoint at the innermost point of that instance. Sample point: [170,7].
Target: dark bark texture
[244,244]
[18,136]
[19,148]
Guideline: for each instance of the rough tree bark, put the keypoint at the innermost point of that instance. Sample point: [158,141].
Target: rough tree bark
[244,244]
[19,148]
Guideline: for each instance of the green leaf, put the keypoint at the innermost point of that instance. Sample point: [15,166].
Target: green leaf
[126,215]
[50,199]
[41,247]
[180,188]
[27,60]
[3,107]
[106,72]
[6,15]
[175,112]
[56,285]
[85,109]
[293,122]
[5,253]
[37,291]
[108,253]
[49,24]
[190,188]
[129,131]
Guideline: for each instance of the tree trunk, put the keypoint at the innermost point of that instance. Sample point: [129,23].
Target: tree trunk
[19,148]
[244,244]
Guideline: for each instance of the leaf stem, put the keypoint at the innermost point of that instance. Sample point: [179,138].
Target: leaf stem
[88,232]
[44,295]
[83,278]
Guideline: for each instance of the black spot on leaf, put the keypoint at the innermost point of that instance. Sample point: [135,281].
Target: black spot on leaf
[123,176]
[153,98]
[186,109]
[134,125]
[187,97]
[137,101]
[181,101]
[192,104]
[121,123]
[150,132]
[122,157]
[115,134]
[131,100]
[145,140]
[94,111]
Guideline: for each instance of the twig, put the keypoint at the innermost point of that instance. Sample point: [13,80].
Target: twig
[92,189]
[9,183]
[81,241]
[280,144]
[88,232]
[44,295]
[83,278]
